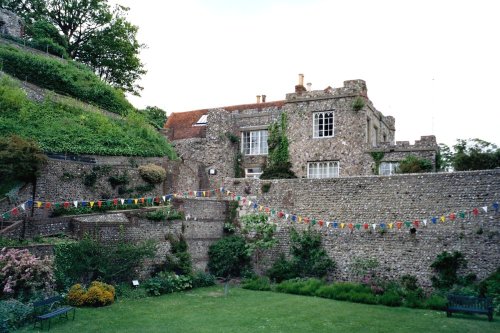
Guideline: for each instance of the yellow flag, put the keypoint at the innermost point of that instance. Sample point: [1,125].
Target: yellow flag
[203,193]
[390,225]
[300,219]
[342,225]
[91,204]
[443,218]
[39,204]
[260,208]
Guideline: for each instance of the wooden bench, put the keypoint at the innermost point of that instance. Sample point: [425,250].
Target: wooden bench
[47,310]
[470,304]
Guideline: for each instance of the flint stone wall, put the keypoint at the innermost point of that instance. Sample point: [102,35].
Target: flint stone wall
[375,199]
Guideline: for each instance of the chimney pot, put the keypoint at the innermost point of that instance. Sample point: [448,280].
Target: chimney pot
[258,99]
[301,79]
[309,84]
[263,98]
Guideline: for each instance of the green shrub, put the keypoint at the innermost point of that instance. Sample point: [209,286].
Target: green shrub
[164,214]
[125,290]
[366,298]
[228,257]
[308,258]
[179,261]
[281,270]
[153,174]
[15,312]
[65,77]
[390,298]
[89,260]
[342,290]
[166,283]
[413,300]
[446,266]
[202,279]
[414,164]
[122,179]
[491,287]
[308,287]
[435,302]
[266,187]
[258,283]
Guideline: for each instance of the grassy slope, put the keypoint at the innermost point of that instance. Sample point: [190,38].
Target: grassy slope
[207,310]
[59,126]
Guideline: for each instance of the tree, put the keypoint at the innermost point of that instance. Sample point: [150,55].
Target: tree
[475,154]
[113,54]
[96,35]
[155,116]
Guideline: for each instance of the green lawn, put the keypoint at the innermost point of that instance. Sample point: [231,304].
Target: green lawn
[207,310]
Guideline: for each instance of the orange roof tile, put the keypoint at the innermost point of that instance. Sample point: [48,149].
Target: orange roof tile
[180,124]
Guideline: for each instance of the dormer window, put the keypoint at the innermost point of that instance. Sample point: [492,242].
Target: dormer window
[323,124]
[202,121]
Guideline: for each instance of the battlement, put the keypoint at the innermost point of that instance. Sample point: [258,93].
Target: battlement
[427,142]
[349,89]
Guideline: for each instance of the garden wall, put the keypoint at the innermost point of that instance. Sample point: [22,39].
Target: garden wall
[203,226]
[375,199]
[63,180]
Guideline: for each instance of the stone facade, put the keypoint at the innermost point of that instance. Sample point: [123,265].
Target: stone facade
[356,133]
[10,24]
[376,199]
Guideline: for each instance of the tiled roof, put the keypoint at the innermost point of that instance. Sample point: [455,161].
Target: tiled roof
[180,124]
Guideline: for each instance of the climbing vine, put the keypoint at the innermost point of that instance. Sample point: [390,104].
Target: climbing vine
[278,164]
[377,157]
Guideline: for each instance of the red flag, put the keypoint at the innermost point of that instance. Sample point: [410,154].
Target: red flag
[365,225]
[321,223]
[99,203]
[416,223]
[47,205]
[15,211]
[399,224]
[350,226]
[452,216]
[475,211]
[66,204]
[115,202]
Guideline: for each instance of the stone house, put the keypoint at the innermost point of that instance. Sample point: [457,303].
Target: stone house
[332,132]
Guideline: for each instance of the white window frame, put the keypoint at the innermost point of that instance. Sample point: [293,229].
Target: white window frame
[320,133]
[256,144]
[253,172]
[388,168]
[323,169]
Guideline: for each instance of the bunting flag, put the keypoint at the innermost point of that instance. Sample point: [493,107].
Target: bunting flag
[272,212]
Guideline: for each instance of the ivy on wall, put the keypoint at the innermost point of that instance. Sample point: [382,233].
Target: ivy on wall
[377,157]
[278,164]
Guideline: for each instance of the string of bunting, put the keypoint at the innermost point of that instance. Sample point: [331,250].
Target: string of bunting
[279,214]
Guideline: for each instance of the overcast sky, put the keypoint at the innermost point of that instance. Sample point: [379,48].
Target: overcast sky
[433,65]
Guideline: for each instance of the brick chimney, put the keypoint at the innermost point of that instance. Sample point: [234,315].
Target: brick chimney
[300,87]
[263,98]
